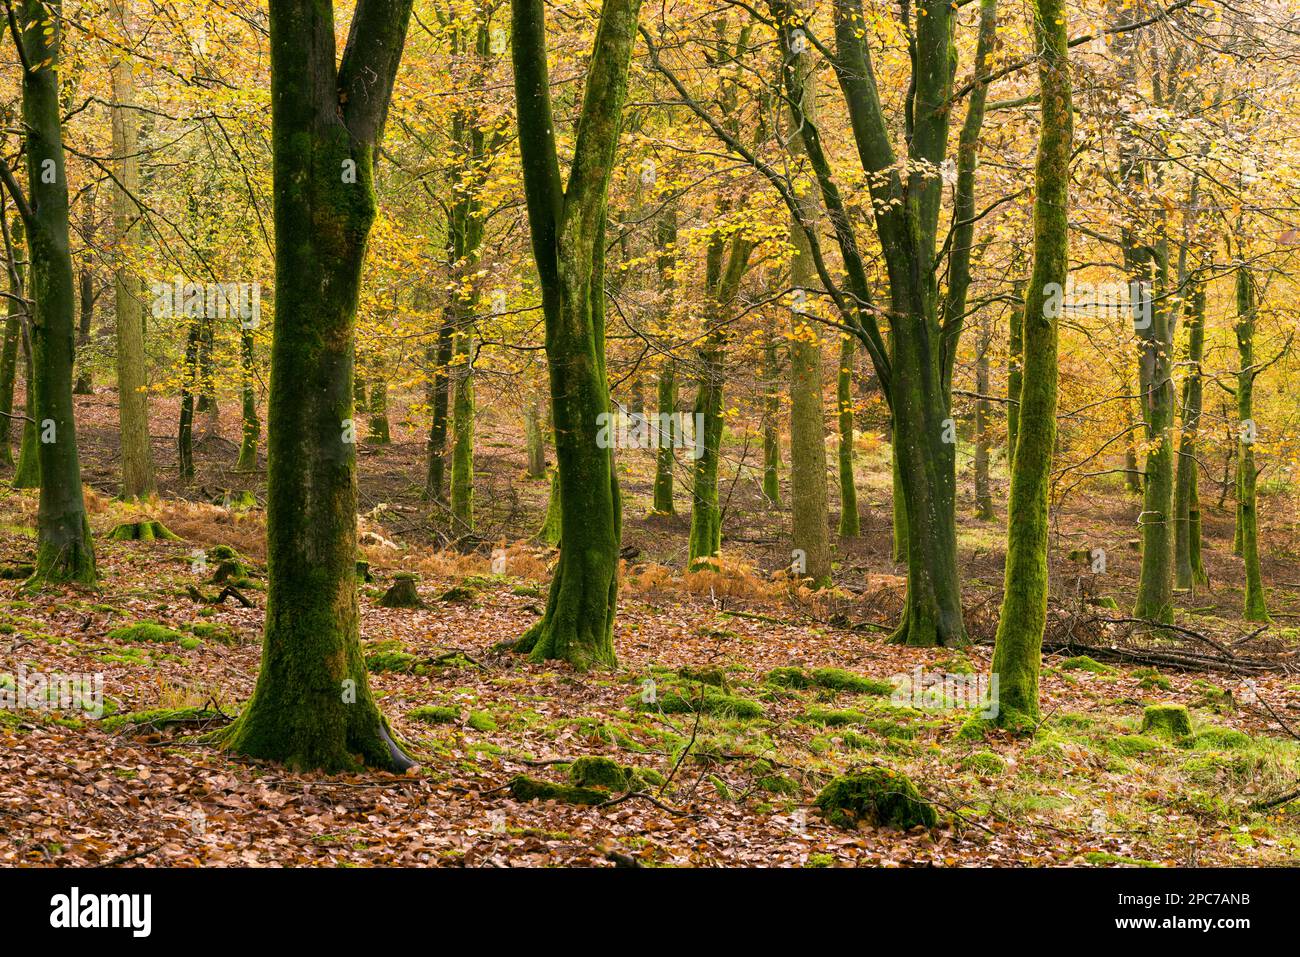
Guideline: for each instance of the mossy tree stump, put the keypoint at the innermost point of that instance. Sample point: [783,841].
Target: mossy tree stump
[878,796]
[403,593]
[1171,720]
[143,532]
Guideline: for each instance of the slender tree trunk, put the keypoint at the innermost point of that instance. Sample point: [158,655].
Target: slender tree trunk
[462,453]
[706,513]
[1018,646]
[380,433]
[850,523]
[809,506]
[771,421]
[27,473]
[312,707]
[1256,608]
[1015,377]
[439,384]
[983,417]
[13,334]
[64,551]
[1189,567]
[665,455]
[85,384]
[248,414]
[189,384]
[536,441]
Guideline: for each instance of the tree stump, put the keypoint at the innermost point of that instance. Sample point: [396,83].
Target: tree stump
[143,532]
[403,593]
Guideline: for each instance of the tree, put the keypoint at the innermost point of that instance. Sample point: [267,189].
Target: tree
[64,552]
[132,376]
[1256,608]
[567,228]
[312,706]
[1018,646]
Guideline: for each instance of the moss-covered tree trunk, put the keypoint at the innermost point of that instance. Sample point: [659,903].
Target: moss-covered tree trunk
[1256,608]
[312,707]
[15,313]
[439,358]
[85,382]
[706,511]
[189,389]
[850,522]
[567,227]
[64,551]
[1015,375]
[771,420]
[535,438]
[665,455]
[462,450]
[983,420]
[1018,646]
[380,431]
[132,374]
[1189,567]
[250,427]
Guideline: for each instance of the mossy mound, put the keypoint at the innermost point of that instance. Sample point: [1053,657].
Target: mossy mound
[213,631]
[1128,745]
[1150,678]
[482,721]
[19,572]
[834,717]
[1084,663]
[983,762]
[1171,720]
[434,714]
[524,788]
[876,796]
[393,662]
[1220,739]
[833,679]
[156,719]
[151,632]
[459,593]
[703,698]
[709,675]
[597,771]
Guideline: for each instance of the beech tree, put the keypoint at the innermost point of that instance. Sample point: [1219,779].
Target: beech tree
[312,706]
[567,223]
[64,551]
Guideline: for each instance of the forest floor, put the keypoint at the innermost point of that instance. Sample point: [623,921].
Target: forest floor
[731,751]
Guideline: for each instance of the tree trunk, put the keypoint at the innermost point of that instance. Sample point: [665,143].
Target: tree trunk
[439,383]
[13,335]
[380,433]
[64,551]
[706,513]
[850,523]
[771,421]
[566,224]
[665,455]
[983,417]
[1256,608]
[312,707]
[462,452]
[536,441]
[1189,567]
[85,384]
[132,374]
[1018,646]
[248,413]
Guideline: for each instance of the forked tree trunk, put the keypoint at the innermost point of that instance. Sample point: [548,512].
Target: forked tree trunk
[312,707]
[568,244]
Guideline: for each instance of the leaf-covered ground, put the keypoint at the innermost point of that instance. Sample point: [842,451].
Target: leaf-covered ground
[737,700]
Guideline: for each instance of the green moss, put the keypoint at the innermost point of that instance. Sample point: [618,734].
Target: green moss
[833,717]
[1171,720]
[213,631]
[434,714]
[395,662]
[983,762]
[159,718]
[524,788]
[1150,678]
[1084,663]
[1211,697]
[597,772]
[704,698]
[1127,745]
[482,721]
[789,678]
[146,631]
[706,675]
[1220,739]
[820,860]
[840,680]
[876,795]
